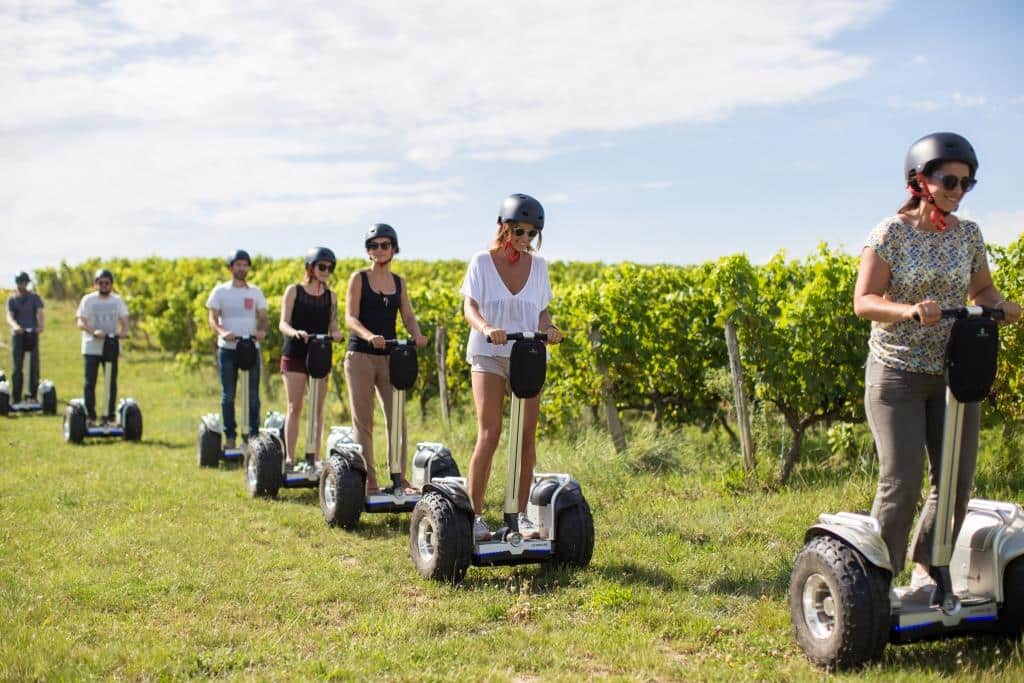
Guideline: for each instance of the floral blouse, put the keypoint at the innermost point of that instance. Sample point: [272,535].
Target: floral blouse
[924,265]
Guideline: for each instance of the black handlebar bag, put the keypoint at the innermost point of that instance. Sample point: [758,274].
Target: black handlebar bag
[29,341]
[245,354]
[528,366]
[318,358]
[111,349]
[971,355]
[403,367]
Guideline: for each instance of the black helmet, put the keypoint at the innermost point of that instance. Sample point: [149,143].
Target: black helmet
[522,207]
[317,254]
[239,255]
[22,277]
[933,149]
[103,273]
[382,230]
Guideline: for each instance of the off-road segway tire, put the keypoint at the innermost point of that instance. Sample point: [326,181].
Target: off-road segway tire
[49,401]
[208,446]
[838,604]
[1011,614]
[5,403]
[574,537]
[132,423]
[342,493]
[440,539]
[263,459]
[74,424]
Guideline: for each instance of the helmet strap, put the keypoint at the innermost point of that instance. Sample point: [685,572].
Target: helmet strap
[511,253]
[920,190]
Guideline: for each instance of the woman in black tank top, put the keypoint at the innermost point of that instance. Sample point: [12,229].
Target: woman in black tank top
[375,298]
[307,308]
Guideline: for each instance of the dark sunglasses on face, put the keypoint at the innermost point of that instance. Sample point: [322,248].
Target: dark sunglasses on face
[370,246]
[325,267]
[104,283]
[950,182]
[518,232]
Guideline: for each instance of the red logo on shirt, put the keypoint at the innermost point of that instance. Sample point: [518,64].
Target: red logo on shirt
[249,303]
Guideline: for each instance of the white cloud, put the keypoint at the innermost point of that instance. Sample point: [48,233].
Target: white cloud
[968,100]
[916,104]
[128,116]
[656,185]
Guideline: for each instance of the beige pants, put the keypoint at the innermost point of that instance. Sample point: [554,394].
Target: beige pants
[364,373]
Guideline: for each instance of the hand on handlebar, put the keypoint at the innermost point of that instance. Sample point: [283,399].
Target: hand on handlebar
[301,335]
[336,336]
[259,335]
[1011,311]
[99,334]
[376,341]
[554,335]
[495,335]
[927,312]
[230,336]
[420,340]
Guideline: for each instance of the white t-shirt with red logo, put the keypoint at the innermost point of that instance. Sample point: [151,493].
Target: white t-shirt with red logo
[238,307]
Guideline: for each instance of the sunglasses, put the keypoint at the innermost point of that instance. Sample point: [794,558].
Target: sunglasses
[370,246]
[325,267]
[519,232]
[104,283]
[950,182]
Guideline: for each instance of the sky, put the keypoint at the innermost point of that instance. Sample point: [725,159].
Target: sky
[651,131]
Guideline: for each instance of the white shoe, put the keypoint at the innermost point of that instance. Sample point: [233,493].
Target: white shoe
[480,530]
[921,586]
[527,529]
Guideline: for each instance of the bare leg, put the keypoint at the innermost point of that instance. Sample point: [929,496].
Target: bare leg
[295,390]
[488,395]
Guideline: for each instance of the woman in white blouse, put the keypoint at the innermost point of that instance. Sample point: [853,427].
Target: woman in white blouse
[506,290]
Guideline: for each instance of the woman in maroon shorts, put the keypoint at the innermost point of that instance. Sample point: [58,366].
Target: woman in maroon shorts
[307,308]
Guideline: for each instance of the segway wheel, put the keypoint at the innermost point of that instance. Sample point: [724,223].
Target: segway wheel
[263,459]
[208,446]
[1011,614]
[49,401]
[5,403]
[440,539]
[839,605]
[575,536]
[342,493]
[132,423]
[74,424]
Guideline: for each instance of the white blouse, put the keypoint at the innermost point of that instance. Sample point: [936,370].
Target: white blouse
[518,312]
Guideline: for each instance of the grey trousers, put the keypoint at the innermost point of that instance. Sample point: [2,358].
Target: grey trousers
[905,411]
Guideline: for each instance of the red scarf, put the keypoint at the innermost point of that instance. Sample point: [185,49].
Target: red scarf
[511,253]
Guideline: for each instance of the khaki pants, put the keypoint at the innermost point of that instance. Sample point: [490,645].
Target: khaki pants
[364,373]
[905,411]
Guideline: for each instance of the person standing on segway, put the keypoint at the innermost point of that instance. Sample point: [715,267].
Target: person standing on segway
[100,314]
[24,312]
[307,308]
[374,299]
[912,266]
[506,289]
[237,309]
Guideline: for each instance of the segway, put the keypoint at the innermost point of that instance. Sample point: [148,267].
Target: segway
[209,443]
[129,416]
[841,602]
[47,403]
[343,495]
[265,472]
[441,540]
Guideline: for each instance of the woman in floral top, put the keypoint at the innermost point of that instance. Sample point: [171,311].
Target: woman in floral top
[916,263]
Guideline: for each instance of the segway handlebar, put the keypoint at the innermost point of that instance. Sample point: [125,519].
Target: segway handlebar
[392,343]
[519,336]
[970,312]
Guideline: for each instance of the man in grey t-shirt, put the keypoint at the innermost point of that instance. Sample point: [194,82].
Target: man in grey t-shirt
[25,316]
[100,314]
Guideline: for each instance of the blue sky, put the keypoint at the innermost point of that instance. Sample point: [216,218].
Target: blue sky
[651,131]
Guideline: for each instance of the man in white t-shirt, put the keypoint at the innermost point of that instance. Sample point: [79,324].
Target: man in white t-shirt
[237,309]
[101,313]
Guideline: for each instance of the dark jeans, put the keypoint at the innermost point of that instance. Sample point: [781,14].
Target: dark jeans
[92,365]
[228,382]
[17,374]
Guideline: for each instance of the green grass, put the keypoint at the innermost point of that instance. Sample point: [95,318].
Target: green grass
[123,560]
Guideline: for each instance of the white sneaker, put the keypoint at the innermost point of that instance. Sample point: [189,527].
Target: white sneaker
[480,530]
[921,586]
[527,529]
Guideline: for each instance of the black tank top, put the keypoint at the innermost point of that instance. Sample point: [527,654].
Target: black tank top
[377,313]
[309,313]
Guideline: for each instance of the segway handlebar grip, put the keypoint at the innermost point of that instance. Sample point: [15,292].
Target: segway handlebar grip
[970,312]
[392,343]
[519,336]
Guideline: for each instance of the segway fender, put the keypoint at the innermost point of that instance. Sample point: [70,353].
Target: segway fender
[212,422]
[4,387]
[992,530]
[452,491]
[861,532]
[353,455]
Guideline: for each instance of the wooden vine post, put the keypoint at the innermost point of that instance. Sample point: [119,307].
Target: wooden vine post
[441,351]
[739,398]
[611,413]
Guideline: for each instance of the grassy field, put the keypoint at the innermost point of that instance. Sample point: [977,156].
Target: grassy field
[121,560]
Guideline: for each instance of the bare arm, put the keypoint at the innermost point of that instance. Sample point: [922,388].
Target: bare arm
[287,304]
[262,324]
[123,326]
[409,317]
[982,291]
[335,331]
[15,327]
[352,296]
[869,295]
[548,326]
[40,320]
[471,311]
[213,317]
